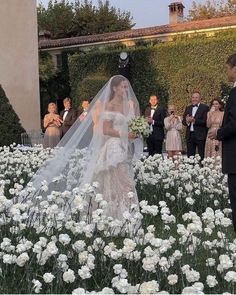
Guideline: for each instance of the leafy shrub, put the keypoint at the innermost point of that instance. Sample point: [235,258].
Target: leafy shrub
[10,125]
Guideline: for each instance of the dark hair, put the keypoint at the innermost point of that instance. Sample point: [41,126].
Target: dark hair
[153,95]
[220,103]
[231,61]
[115,82]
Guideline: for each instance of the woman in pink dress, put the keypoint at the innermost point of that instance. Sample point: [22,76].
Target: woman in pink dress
[51,123]
[173,125]
[213,147]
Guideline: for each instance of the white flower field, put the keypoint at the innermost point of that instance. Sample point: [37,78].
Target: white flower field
[180,242]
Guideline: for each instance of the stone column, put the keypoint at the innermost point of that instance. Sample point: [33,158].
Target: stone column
[19,75]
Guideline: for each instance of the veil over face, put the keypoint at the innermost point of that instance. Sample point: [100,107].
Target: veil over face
[75,159]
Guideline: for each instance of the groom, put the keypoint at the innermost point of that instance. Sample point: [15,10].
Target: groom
[227,134]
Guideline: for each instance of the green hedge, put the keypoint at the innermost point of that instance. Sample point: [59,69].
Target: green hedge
[10,127]
[54,84]
[171,69]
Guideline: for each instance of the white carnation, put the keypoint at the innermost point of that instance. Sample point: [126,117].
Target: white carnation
[48,277]
[69,276]
[22,259]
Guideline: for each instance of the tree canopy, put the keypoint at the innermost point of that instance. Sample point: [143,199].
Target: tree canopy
[64,18]
[211,9]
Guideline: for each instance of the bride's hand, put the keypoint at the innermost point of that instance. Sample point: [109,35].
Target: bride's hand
[132,135]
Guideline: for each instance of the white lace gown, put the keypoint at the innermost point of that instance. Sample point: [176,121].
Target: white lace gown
[114,170]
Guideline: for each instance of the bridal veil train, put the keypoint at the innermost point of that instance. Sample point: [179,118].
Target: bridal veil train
[99,149]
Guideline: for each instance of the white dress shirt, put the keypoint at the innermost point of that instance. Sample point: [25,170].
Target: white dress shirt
[65,114]
[234,84]
[153,109]
[194,110]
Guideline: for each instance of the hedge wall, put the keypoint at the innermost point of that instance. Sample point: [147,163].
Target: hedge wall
[10,127]
[171,69]
[53,84]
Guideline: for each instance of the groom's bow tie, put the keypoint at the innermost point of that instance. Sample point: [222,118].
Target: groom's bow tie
[195,106]
[66,110]
[153,108]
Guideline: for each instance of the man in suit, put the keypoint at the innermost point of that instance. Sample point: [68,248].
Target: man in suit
[195,118]
[155,116]
[68,116]
[82,112]
[227,134]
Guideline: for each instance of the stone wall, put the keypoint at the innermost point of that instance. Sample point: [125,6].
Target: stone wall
[19,59]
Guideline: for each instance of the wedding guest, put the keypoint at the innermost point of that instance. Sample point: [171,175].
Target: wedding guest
[155,116]
[68,116]
[173,124]
[84,109]
[213,147]
[227,134]
[51,123]
[194,118]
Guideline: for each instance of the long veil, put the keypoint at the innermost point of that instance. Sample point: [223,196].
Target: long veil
[73,162]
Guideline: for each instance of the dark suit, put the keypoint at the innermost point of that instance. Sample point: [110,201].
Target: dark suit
[227,134]
[196,139]
[155,140]
[69,120]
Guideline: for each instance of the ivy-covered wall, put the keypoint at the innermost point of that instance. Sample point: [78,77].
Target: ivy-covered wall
[171,69]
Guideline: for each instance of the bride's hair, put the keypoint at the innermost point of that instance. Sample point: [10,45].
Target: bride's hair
[116,82]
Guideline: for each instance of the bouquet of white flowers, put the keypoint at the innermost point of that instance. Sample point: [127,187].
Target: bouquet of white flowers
[139,126]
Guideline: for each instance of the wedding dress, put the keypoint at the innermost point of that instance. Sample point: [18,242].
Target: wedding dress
[88,153]
[113,170]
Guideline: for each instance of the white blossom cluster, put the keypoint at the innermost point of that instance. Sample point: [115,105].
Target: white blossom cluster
[179,241]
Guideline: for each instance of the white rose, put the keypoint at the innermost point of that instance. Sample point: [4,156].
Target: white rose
[117,268]
[79,246]
[48,277]
[78,291]
[52,248]
[64,239]
[210,262]
[230,276]
[69,276]
[225,262]
[192,276]
[172,279]
[122,285]
[37,286]
[84,272]
[9,259]
[150,287]
[83,256]
[107,291]
[211,281]
[22,259]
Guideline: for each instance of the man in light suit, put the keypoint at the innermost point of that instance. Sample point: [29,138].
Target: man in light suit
[155,116]
[227,134]
[195,118]
[68,116]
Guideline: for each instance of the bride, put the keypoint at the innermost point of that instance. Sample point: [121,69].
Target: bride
[98,149]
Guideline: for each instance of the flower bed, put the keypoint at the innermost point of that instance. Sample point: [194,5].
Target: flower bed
[185,244]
